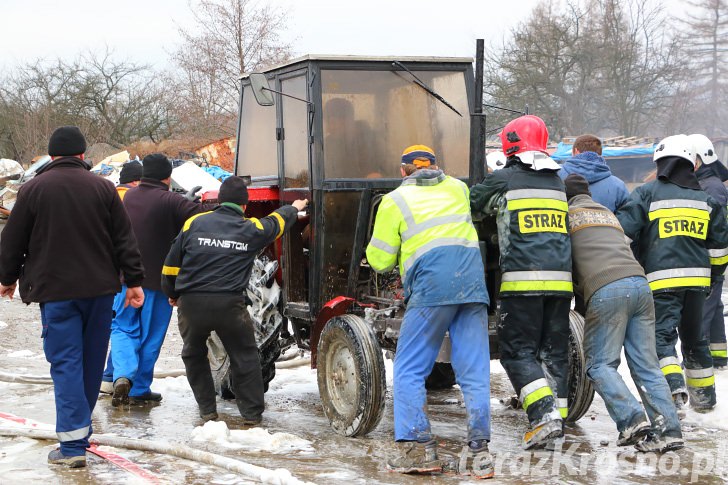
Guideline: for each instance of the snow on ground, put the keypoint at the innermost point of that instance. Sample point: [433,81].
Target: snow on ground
[172,385]
[297,381]
[254,439]
[3,324]
[25,353]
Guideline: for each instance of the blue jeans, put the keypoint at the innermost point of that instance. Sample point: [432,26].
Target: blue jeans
[621,314]
[420,337]
[75,339]
[137,335]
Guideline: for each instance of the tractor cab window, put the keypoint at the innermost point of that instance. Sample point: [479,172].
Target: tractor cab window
[295,133]
[369,117]
[257,147]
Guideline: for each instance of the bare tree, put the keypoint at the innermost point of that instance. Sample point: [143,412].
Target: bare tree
[602,66]
[116,102]
[705,40]
[233,37]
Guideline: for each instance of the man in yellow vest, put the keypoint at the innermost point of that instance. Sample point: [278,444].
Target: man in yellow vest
[425,225]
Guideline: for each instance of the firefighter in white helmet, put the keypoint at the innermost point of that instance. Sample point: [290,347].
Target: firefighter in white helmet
[680,235]
[711,174]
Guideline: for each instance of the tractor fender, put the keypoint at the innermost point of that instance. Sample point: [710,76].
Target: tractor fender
[333,308]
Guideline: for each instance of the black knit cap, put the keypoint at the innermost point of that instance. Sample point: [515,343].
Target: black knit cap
[234,190]
[156,166]
[576,185]
[66,141]
[130,172]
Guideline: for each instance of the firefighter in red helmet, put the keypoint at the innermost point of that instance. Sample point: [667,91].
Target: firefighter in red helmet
[536,288]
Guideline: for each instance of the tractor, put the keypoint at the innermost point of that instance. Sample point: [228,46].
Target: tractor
[330,129]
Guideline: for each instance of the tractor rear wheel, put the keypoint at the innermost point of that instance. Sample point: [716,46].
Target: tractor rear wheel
[581,391]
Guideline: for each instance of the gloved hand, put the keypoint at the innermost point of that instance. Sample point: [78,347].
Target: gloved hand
[190,195]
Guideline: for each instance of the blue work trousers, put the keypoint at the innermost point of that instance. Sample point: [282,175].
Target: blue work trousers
[622,314]
[420,338]
[137,335]
[75,339]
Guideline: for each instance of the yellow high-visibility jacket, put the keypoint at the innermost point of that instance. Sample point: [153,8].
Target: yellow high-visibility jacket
[426,227]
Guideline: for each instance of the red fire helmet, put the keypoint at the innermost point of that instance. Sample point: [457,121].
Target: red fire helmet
[527,133]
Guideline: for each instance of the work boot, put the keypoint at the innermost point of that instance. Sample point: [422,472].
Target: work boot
[208,414]
[55,457]
[633,433]
[680,399]
[541,435]
[415,457]
[146,398]
[475,461]
[702,399]
[107,387]
[251,422]
[212,416]
[122,385]
[659,444]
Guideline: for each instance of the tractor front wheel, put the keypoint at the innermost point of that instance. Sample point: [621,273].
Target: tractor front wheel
[351,376]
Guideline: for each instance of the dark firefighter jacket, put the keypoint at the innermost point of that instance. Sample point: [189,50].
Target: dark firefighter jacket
[215,251]
[711,181]
[535,249]
[680,235]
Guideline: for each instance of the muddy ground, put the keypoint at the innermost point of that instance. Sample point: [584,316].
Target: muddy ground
[589,454]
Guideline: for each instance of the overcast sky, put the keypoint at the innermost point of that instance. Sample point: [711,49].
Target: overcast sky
[146,30]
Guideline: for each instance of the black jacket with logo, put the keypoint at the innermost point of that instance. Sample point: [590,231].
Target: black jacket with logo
[215,251]
[680,235]
[535,249]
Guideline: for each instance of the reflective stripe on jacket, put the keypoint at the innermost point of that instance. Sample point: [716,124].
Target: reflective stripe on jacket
[680,235]
[426,227]
[535,249]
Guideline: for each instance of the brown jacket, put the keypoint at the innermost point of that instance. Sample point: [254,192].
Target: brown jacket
[600,253]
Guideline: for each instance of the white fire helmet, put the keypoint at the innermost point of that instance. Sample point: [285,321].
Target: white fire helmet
[703,147]
[495,160]
[675,146]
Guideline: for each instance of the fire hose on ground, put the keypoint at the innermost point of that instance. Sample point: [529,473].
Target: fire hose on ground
[46,380]
[248,470]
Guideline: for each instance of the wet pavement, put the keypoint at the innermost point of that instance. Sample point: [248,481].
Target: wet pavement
[293,407]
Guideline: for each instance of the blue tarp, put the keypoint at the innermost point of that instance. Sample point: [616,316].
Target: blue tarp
[217,172]
[563,151]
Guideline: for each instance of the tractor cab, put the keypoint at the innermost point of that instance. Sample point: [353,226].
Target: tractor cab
[334,134]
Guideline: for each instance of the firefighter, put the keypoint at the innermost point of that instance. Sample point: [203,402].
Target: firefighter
[711,176]
[536,286]
[425,224]
[680,236]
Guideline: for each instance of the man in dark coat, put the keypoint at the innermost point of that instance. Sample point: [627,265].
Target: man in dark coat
[137,335]
[67,240]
